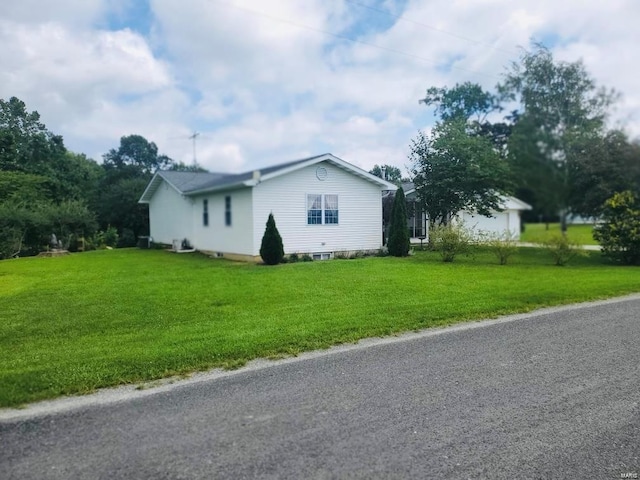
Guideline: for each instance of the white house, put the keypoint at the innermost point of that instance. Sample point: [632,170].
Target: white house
[507,220]
[321,205]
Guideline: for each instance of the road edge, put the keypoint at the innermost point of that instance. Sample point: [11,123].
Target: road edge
[123,393]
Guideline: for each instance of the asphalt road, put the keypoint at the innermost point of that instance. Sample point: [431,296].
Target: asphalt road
[552,396]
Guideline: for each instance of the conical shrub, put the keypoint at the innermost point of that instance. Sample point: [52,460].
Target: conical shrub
[398,244]
[271,250]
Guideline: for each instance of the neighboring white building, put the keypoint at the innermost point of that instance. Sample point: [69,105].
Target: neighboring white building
[321,205]
[508,220]
[500,222]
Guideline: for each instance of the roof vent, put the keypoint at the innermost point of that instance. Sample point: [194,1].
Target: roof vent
[256,175]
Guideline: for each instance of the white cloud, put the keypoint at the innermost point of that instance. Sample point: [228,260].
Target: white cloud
[54,58]
[262,83]
[78,79]
[215,43]
[68,12]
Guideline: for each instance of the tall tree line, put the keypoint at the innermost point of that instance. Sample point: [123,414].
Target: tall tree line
[543,135]
[46,189]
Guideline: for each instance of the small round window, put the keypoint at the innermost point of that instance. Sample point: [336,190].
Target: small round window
[321,173]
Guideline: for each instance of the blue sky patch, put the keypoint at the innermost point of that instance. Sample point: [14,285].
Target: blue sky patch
[135,15]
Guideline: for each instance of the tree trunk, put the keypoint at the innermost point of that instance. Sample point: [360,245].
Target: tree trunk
[563,222]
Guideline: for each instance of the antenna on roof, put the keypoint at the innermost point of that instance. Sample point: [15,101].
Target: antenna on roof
[193,137]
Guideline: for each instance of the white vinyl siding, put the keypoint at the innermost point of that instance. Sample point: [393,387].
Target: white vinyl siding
[170,215]
[237,237]
[508,220]
[286,196]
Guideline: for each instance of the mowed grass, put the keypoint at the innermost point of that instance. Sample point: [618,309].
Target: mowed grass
[538,233]
[73,324]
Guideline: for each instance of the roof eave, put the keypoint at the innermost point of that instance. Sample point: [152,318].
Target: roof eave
[521,205]
[151,188]
[155,182]
[220,188]
[328,157]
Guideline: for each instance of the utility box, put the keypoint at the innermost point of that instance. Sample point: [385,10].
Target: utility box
[144,242]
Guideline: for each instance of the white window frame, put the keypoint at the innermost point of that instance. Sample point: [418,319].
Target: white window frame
[309,209]
[323,208]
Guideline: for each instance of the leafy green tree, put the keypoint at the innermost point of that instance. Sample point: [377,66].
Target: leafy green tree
[602,166]
[466,101]
[127,172]
[118,206]
[560,107]
[23,187]
[25,143]
[81,177]
[455,170]
[15,221]
[183,167]
[27,146]
[387,172]
[271,249]
[398,243]
[8,150]
[44,188]
[67,219]
[619,234]
[136,156]
[25,228]
[469,102]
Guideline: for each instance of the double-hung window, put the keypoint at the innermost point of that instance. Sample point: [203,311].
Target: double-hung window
[331,209]
[322,209]
[314,209]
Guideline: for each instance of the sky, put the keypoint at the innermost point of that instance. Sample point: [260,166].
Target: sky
[265,82]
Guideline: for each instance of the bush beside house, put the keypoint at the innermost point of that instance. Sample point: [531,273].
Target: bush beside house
[271,249]
[619,234]
[398,244]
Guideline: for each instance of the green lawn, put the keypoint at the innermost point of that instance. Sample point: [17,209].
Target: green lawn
[70,325]
[538,233]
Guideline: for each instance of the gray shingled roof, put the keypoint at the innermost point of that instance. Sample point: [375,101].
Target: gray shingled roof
[186,181]
[204,181]
[193,183]
[408,186]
